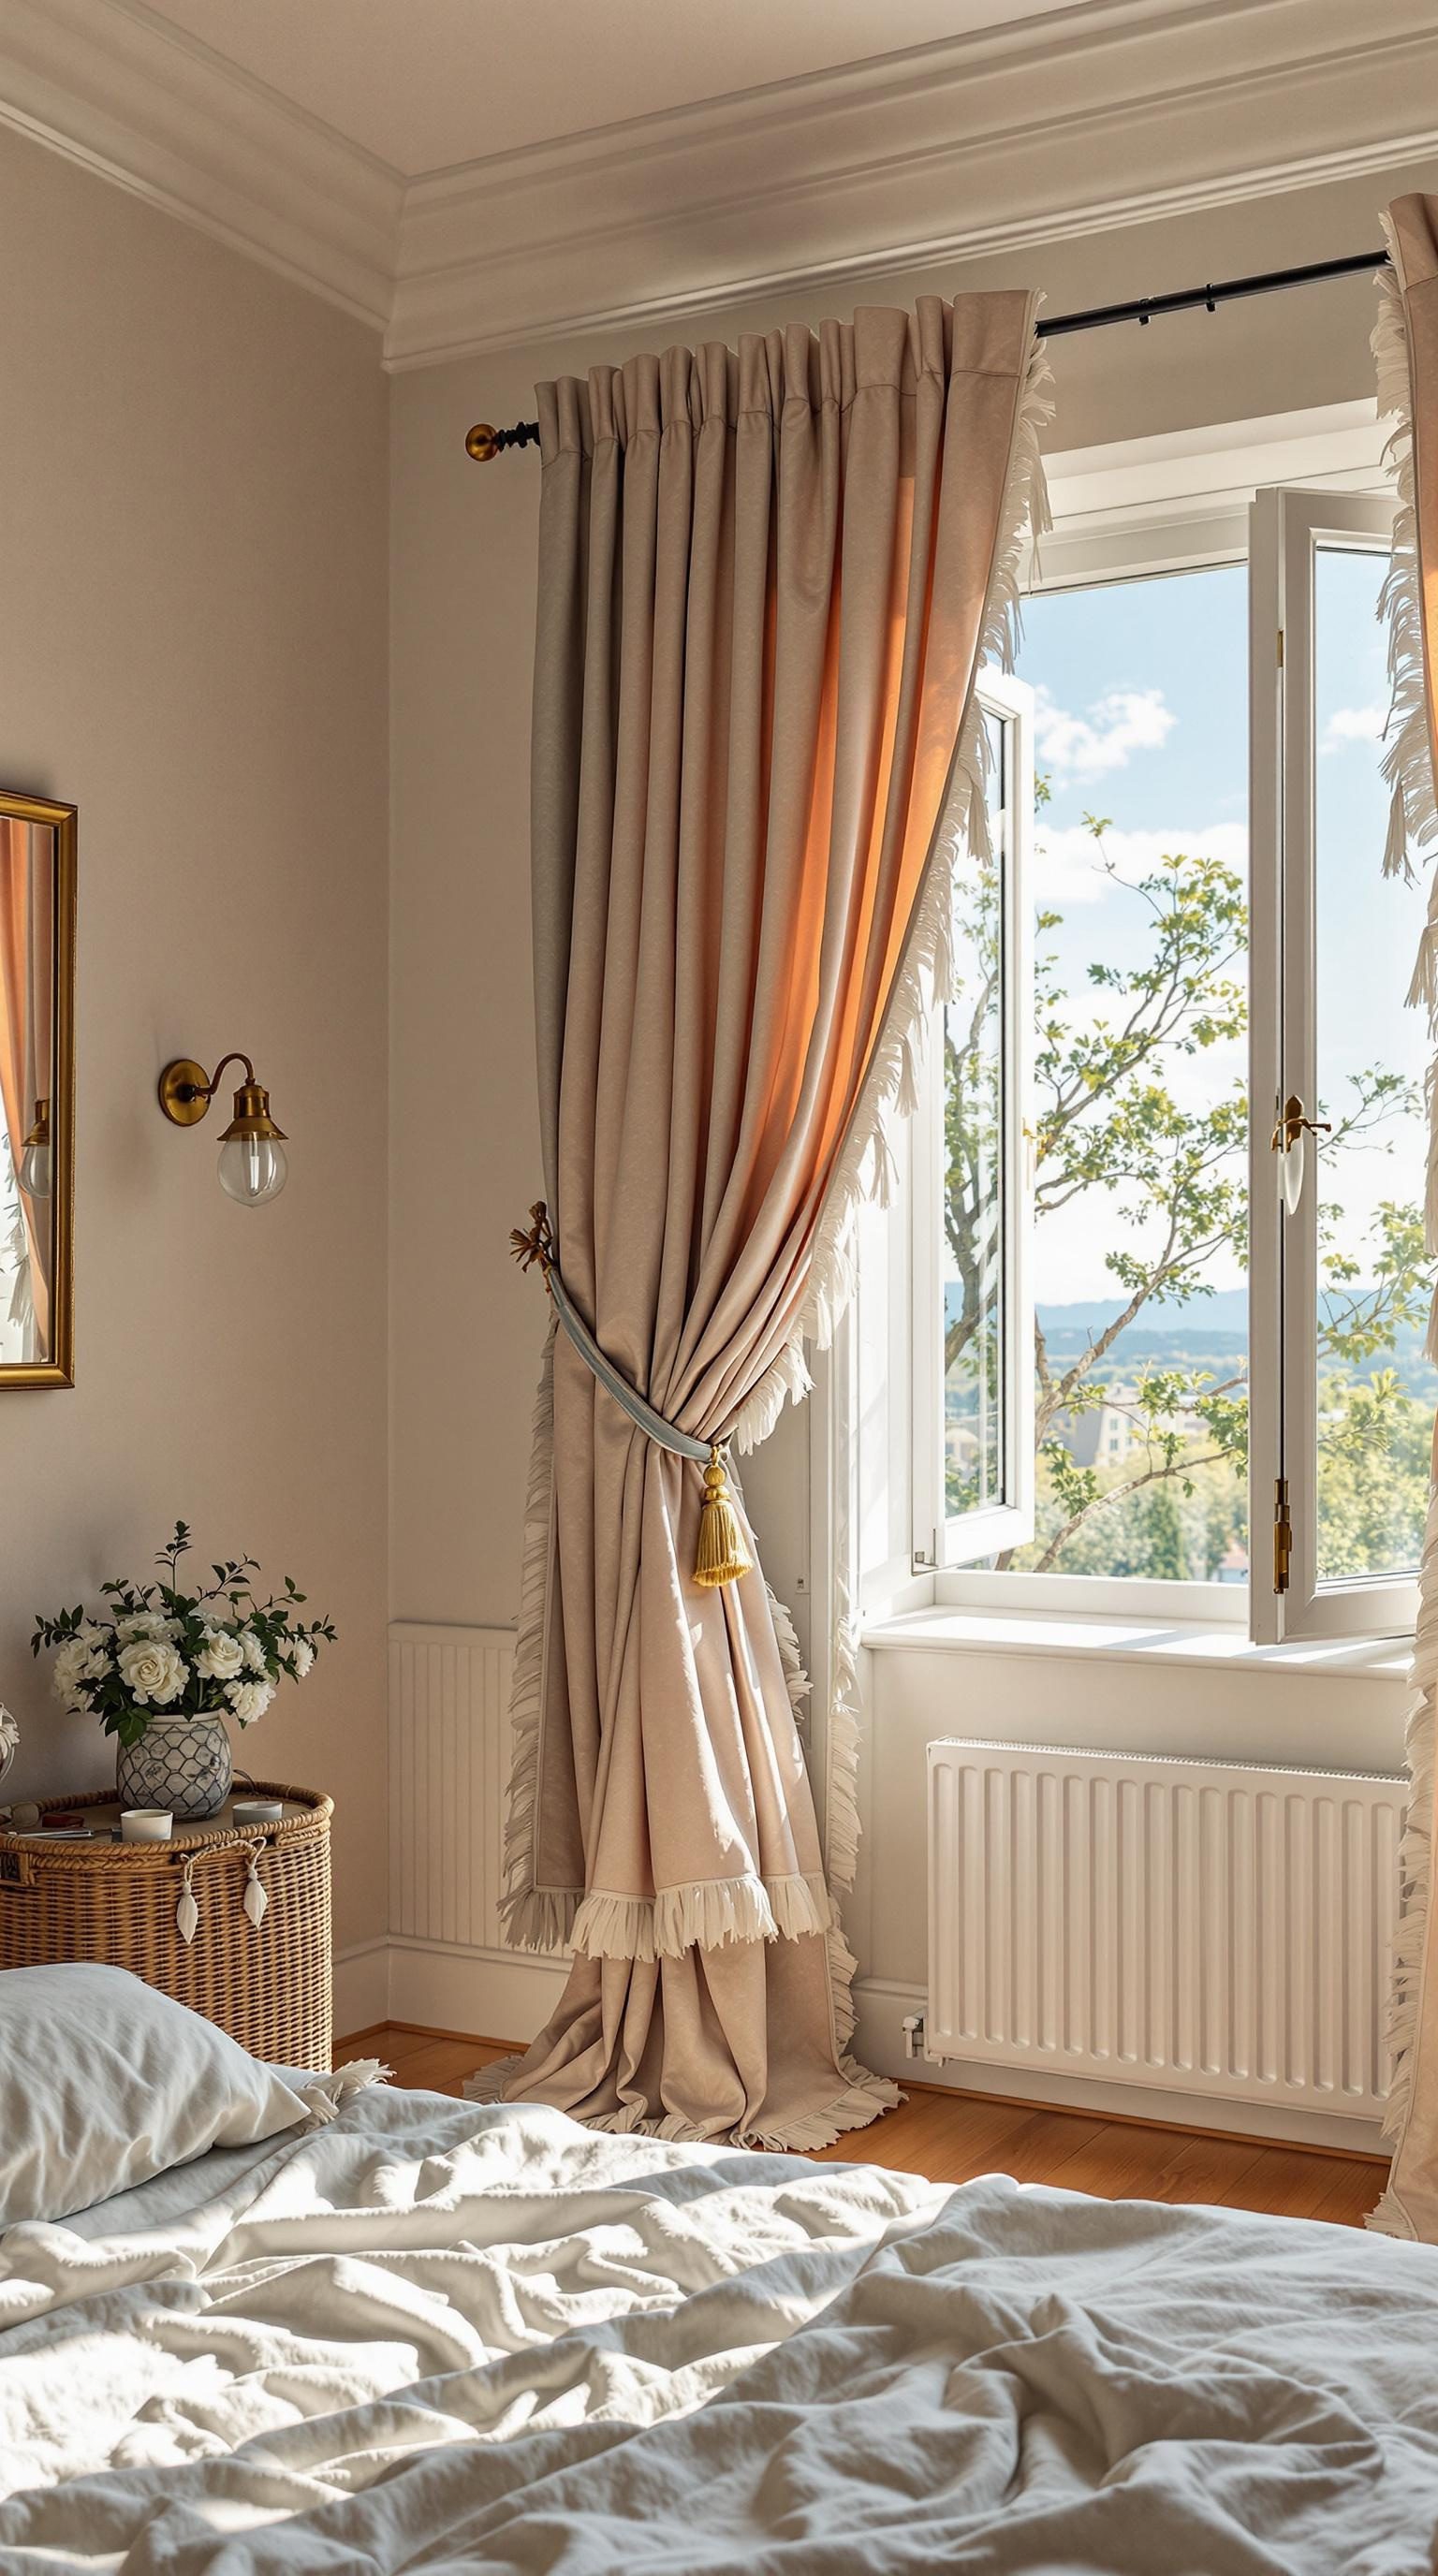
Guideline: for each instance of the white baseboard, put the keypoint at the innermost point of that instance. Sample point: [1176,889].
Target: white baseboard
[495,1994]
[441,1985]
[361,1986]
[879,2043]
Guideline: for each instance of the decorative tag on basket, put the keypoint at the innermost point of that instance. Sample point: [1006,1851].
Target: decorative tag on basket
[255,1898]
[187,1912]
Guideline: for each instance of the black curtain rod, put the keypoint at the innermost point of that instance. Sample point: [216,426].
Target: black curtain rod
[484,442]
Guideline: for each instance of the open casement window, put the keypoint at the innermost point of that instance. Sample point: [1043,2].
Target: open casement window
[1341,1396]
[972,1297]
[1171,1368]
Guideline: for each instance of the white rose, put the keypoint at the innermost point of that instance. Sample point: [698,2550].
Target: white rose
[304,1655]
[249,1700]
[99,1647]
[151,1670]
[71,1663]
[221,1656]
[252,1650]
[9,1738]
[147,1623]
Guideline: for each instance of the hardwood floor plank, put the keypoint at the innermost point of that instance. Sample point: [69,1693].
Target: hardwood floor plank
[945,2140]
[1144,2164]
[952,2137]
[1297,2186]
[1036,2150]
[433,2066]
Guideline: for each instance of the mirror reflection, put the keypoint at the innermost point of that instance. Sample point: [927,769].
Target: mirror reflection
[36,1109]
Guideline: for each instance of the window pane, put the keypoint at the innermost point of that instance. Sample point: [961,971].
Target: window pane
[1140,1224]
[1375,1391]
[974,1111]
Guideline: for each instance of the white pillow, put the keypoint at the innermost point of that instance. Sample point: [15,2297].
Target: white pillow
[104,2083]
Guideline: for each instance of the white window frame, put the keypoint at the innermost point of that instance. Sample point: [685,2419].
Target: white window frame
[1152,506]
[941,1538]
[1288,527]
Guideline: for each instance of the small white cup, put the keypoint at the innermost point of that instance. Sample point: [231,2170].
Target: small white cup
[145,1824]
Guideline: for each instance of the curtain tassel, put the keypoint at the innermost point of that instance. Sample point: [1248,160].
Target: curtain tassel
[722,1555]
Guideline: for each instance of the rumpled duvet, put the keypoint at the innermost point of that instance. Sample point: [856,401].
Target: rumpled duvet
[438,2336]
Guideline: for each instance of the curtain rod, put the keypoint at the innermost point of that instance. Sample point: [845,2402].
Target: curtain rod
[484,442]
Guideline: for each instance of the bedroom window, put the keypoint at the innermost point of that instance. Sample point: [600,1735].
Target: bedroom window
[1147,1349]
[1343,1396]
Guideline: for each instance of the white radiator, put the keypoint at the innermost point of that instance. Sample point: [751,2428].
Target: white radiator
[1210,1926]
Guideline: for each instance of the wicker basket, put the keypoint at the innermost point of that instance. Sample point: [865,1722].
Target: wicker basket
[267,1984]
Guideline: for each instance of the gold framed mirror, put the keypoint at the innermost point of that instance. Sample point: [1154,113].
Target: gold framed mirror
[37,1092]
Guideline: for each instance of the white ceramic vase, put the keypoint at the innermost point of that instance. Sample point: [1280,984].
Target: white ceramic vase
[182,1763]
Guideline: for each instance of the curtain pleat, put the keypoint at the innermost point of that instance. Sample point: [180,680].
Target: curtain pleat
[766,579]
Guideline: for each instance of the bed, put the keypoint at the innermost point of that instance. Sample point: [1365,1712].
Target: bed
[432,2335]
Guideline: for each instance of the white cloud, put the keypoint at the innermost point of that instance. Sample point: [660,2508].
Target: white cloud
[1353,724]
[1069,867]
[1117,725]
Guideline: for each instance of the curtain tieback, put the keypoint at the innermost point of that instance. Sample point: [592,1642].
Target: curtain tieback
[721,1556]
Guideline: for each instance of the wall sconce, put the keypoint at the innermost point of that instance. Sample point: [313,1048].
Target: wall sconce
[37,1169]
[253,1163]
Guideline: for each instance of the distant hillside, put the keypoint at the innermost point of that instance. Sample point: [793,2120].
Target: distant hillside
[1226,1312]
[1194,1333]
[1190,1347]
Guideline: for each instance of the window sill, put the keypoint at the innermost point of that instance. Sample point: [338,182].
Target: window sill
[1114,1640]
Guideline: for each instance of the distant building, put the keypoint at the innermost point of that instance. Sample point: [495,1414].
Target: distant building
[1105,1434]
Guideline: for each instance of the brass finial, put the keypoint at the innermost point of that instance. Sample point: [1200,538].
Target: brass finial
[537,1244]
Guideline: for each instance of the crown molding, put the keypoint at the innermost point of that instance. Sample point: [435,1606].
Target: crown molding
[975,146]
[978,145]
[126,94]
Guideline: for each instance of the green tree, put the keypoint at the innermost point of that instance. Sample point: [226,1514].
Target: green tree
[1108,1118]
[1167,1553]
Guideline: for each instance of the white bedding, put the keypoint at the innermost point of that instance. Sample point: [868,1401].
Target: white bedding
[436,2335]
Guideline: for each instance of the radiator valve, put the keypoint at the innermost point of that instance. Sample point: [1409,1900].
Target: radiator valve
[913,2027]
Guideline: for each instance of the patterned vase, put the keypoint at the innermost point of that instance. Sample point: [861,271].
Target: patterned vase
[182,1763]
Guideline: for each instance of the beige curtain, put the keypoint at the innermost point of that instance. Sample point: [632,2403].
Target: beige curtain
[765,581]
[1406,347]
[26,952]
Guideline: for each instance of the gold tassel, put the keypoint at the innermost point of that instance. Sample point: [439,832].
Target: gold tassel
[722,1555]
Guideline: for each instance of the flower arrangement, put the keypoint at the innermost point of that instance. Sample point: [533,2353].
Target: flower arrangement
[159,1652]
[9,1740]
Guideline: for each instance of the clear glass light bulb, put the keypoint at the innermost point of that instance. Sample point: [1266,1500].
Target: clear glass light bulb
[253,1169]
[37,1171]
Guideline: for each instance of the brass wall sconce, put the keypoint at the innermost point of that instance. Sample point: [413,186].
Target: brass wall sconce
[37,1161]
[253,1163]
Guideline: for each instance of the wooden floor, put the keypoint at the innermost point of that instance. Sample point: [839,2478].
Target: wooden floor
[950,2137]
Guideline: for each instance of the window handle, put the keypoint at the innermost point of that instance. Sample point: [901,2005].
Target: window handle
[1290,1128]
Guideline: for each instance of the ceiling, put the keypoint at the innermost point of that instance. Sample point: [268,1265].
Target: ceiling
[426,84]
[467,175]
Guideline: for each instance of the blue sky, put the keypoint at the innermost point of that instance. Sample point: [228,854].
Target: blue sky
[1142,715]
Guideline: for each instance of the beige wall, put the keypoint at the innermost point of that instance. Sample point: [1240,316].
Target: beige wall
[466,1329]
[192,648]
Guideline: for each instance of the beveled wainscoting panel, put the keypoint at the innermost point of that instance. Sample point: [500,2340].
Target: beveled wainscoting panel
[448,1769]
[448,1759]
